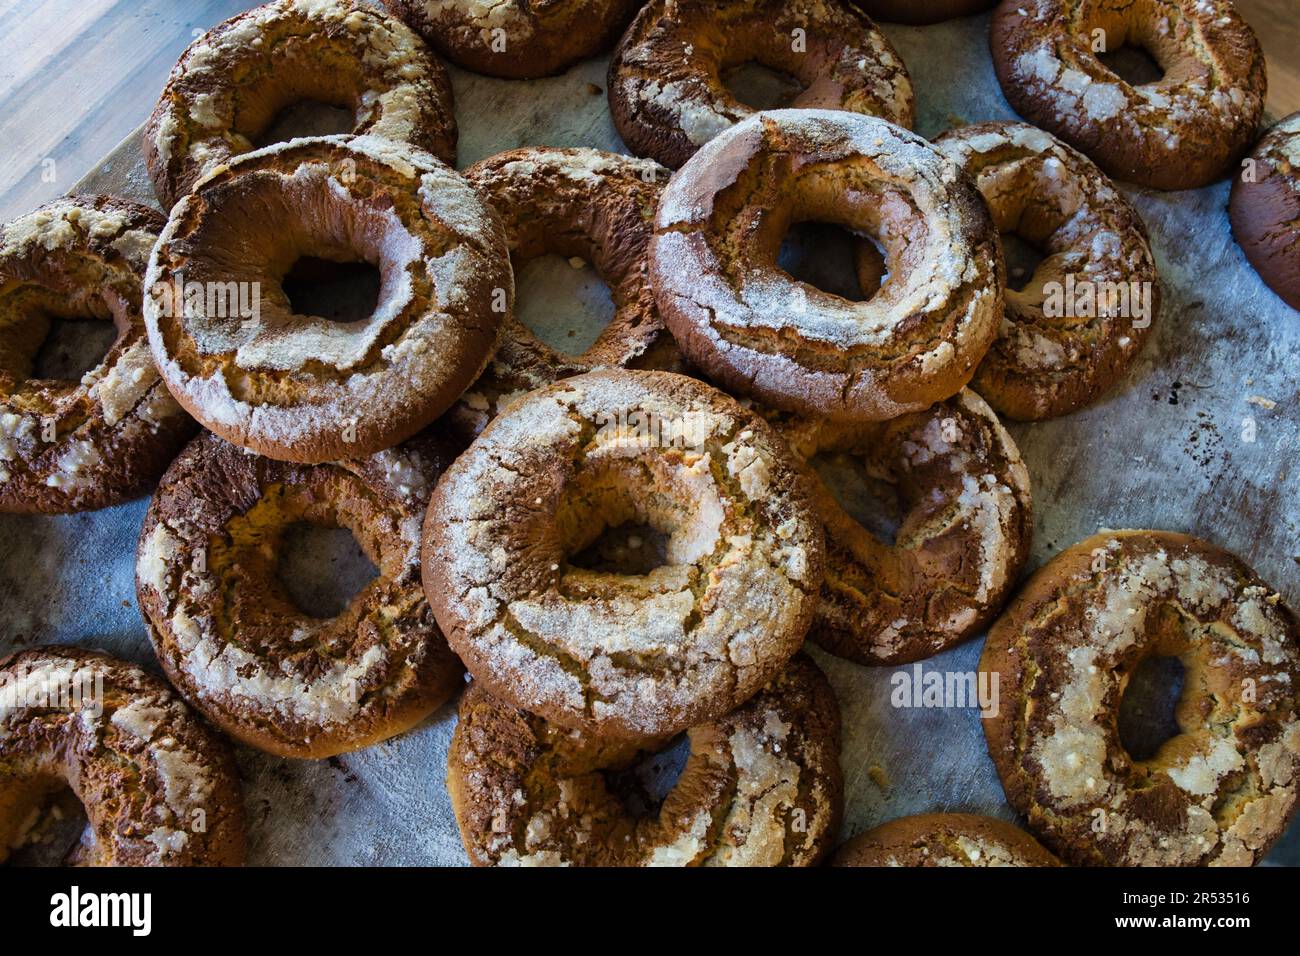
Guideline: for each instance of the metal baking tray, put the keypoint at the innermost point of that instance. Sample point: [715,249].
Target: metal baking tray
[1201,436]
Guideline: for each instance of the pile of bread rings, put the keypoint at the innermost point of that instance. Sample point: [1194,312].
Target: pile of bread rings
[631,545]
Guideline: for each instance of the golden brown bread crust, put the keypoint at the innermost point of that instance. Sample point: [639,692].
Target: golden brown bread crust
[944,839]
[923,11]
[572,202]
[1265,210]
[666,91]
[158,786]
[76,445]
[1183,131]
[232,640]
[629,655]
[516,39]
[762,786]
[755,330]
[304,388]
[231,83]
[1220,792]
[1059,349]
[965,532]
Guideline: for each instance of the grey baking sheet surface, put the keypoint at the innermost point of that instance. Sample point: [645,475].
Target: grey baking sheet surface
[1167,449]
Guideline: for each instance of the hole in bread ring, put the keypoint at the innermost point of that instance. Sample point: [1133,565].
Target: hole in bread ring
[1074,326]
[756,330]
[1183,130]
[761,786]
[158,787]
[623,655]
[233,83]
[1222,790]
[103,437]
[231,637]
[962,538]
[581,204]
[666,81]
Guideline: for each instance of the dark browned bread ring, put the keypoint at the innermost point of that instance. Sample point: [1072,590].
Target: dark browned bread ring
[1264,209]
[158,786]
[944,839]
[666,87]
[762,785]
[1078,323]
[72,445]
[303,387]
[757,331]
[1180,132]
[237,646]
[1221,791]
[232,83]
[593,645]
[964,534]
[577,203]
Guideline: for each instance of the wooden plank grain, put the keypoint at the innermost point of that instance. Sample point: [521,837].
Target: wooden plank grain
[1277,23]
[78,76]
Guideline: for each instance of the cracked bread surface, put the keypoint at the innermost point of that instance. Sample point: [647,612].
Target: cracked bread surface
[234,642]
[964,535]
[158,786]
[666,88]
[762,786]
[1049,360]
[74,445]
[1218,793]
[230,85]
[1185,130]
[624,654]
[305,388]
[759,332]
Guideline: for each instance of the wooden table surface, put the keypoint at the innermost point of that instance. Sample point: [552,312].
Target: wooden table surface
[77,76]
